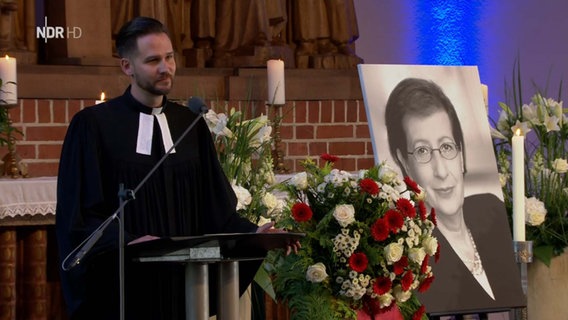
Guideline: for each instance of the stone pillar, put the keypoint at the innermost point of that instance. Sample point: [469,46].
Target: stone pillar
[86,27]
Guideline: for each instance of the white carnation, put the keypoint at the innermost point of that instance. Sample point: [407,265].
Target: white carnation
[430,245]
[417,254]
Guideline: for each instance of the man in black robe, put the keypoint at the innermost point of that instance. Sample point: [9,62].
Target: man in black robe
[119,142]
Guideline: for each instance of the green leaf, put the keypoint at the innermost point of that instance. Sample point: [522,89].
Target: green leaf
[544,254]
[263,280]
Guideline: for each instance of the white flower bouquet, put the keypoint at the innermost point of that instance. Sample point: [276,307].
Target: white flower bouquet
[367,247]
[544,123]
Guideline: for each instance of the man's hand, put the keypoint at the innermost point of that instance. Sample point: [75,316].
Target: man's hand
[143,239]
[269,228]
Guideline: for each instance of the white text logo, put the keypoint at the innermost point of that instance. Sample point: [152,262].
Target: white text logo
[57,32]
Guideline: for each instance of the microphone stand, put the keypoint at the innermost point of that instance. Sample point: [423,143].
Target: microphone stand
[124,195]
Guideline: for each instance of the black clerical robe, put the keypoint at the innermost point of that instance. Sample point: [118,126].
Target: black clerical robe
[188,195]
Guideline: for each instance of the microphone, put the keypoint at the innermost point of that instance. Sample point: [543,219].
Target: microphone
[197,106]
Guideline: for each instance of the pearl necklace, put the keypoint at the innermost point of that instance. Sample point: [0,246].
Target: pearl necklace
[474,266]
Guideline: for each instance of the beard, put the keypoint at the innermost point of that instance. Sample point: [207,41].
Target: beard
[153,88]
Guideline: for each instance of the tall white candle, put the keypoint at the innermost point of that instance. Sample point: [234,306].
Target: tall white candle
[518,159]
[485,93]
[276,86]
[9,92]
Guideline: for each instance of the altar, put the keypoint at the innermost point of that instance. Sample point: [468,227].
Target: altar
[29,281]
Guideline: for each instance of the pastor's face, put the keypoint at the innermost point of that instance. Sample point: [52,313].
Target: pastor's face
[153,65]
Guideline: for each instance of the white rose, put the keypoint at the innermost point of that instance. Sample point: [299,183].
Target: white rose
[393,252]
[535,212]
[417,254]
[316,273]
[269,201]
[385,300]
[401,296]
[387,174]
[243,196]
[344,214]
[300,180]
[430,245]
[560,165]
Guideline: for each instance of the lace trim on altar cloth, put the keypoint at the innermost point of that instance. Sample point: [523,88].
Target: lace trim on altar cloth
[27,209]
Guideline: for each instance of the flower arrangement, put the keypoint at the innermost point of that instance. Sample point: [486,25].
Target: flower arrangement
[544,123]
[367,245]
[244,149]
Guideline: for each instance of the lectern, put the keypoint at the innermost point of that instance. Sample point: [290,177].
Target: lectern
[197,252]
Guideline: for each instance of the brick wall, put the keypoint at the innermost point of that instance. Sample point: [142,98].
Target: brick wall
[309,128]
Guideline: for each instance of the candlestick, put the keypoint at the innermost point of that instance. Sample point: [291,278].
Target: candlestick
[102,98]
[276,86]
[518,159]
[9,91]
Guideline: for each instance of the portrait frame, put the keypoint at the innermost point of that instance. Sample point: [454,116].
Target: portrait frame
[461,84]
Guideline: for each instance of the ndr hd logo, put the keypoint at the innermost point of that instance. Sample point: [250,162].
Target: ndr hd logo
[57,32]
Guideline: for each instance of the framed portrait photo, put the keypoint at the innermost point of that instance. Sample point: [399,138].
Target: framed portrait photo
[430,123]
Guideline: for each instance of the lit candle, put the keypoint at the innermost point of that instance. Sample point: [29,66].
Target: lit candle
[518,159]
[102,98]
[9,92]
[276,88]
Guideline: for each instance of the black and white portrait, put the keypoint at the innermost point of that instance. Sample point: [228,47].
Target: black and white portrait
[430,123]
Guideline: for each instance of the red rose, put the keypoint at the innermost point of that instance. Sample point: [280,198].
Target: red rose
[358,262]
[425,284]
[380,230]
[394,220]
[437,254]
[369,186]
[382,285]
[399,266]
[407,280]
[406,207]
[412,185]
[419,313]
[329,158]
[301,212]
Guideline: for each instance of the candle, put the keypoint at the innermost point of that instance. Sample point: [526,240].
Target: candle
[518,159]
[102,98]
[276,88]
[485,93]
[9,92]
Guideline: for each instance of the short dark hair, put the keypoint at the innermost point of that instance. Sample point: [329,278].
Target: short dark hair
[417,98]
[132,30]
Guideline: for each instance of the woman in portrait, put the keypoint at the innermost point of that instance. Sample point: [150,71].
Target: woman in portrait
[426,140]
